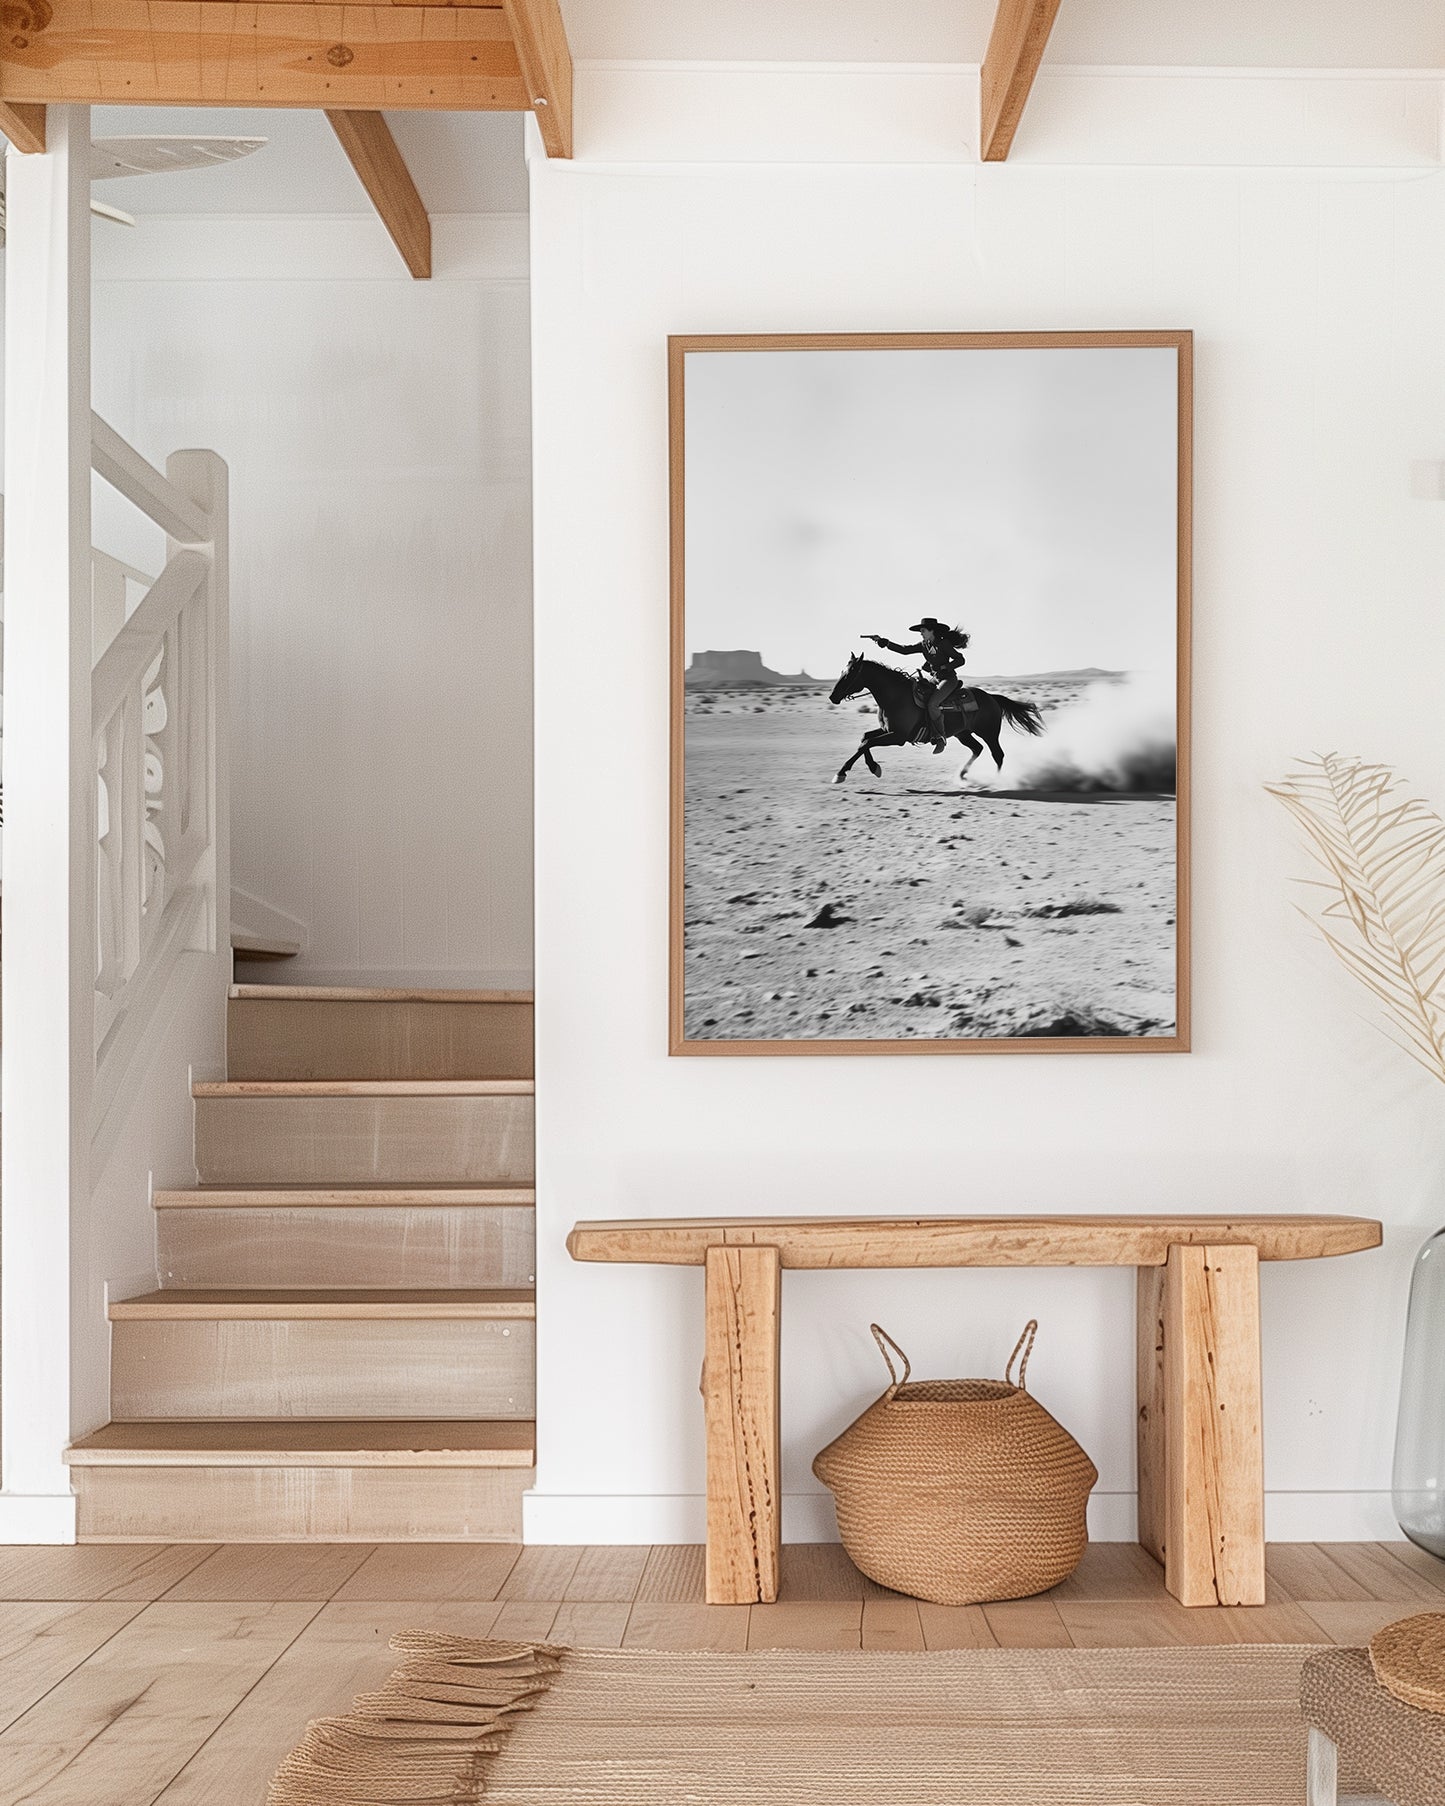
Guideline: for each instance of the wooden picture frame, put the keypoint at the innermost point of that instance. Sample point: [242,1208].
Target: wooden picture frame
[1173,1038]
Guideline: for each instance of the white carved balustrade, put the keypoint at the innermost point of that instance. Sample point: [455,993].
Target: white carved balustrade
[154,696]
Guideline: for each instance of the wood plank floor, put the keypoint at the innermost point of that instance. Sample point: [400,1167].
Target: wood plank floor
[132,1674]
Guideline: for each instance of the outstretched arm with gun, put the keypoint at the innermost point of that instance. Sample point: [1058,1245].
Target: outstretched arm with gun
[892,645]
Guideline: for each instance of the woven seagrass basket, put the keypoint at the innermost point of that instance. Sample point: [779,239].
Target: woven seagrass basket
[959,1491]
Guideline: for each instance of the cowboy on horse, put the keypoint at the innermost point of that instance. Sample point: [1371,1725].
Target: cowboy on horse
[942,648]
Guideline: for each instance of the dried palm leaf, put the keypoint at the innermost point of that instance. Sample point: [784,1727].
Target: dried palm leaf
[1383,854]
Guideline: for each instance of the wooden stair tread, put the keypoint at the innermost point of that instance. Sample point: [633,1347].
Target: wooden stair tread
[309,1442]
[400,1142]
[276,1304]
[360,994]
[348,1197]
[380,1088]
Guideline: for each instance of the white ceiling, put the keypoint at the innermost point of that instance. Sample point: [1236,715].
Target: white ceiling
[461,162]
[473,163]
[1369,34]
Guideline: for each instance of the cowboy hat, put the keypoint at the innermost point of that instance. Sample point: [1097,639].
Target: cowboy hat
[927,621]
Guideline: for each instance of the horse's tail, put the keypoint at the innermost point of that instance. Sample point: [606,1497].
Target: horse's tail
[1022,715]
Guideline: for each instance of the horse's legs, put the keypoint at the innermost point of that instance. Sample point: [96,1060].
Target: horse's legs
[974,751]
[861,753]
[996,749]
[840,776]
[880,736]
[877,736]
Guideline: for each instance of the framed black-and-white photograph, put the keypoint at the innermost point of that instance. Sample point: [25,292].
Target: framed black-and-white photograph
[930,688]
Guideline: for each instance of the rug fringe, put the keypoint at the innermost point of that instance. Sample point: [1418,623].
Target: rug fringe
[426,1736]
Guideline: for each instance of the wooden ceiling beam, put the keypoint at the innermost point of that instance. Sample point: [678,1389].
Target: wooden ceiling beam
[366,138]
[508,56]
[24,126]
[118,52]
[1015,49]
[541,41]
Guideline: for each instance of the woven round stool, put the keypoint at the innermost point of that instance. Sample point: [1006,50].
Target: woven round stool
[1408,1658]
[1356,1728]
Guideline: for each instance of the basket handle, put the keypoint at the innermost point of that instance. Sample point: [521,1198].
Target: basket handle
[1026,1344]
[885,1342]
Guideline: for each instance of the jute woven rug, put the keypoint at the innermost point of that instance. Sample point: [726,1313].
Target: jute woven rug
[516,1726]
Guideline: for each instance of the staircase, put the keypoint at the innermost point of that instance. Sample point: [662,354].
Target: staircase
[342,1344]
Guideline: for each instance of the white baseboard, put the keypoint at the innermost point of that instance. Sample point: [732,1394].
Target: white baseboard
[1113,1517]
[37,1517]
[808,1517]
[1330,1517]
[571,1518]
[657,1518]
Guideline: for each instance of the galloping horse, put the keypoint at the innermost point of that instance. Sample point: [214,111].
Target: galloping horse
[902,715]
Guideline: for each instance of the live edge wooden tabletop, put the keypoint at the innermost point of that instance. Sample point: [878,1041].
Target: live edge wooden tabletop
[1032,1241]
[1198,1402]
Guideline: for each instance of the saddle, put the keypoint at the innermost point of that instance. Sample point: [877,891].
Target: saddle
[966,703]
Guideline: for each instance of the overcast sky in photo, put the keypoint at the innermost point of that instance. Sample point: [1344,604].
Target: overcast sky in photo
[1026,495]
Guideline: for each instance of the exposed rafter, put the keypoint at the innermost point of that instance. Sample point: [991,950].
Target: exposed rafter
[507,56]
[541,41]
[212,53]
[366,138]
[1015,49]
[24,126]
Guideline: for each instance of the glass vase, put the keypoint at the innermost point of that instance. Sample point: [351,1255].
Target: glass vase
[1419,1476]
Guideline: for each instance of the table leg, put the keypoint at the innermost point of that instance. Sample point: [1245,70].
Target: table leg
[740,1397]
[1213,1466]
[1149,1398]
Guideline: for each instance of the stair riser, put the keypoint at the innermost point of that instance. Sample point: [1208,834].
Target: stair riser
[300,1504]
[457,1245]
[315,1038]
[350,1368]
[364,1140]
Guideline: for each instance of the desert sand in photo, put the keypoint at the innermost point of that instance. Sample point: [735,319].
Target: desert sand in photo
[912,905]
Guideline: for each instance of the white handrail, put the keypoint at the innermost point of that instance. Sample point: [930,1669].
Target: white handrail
[113,582]
[124,663]
[157,697]
[140,482]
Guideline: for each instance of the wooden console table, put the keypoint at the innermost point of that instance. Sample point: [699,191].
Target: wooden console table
[1201,1459]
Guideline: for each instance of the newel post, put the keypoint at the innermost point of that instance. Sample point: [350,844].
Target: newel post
[203,478]
[49,882]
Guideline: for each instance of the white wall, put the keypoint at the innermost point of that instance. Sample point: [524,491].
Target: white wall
[1317,296]
[80,1157]
[149,1145]
[376,431]
[1335,33]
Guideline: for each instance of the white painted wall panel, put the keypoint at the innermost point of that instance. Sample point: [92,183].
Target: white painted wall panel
[377,435]
[1300,33]
[821,112]
[113,1253]
[1316,298]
